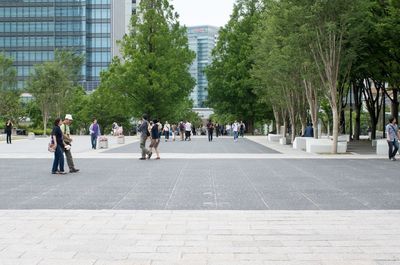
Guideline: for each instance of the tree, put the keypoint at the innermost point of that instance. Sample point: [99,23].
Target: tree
[153,76]
[231,87]
[48,84]
[10,107]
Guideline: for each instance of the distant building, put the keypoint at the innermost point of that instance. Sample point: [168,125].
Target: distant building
[202,40]
[31,30]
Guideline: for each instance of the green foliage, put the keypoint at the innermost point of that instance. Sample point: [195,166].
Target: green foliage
[52,84]
[10,107]
[8,73]
[231,88]
[153,76]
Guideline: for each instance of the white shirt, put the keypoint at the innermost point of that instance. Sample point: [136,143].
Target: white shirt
[188,126]
[235,127]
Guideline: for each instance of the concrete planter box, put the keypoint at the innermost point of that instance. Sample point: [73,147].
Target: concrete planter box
[103,143]
[300,143]
[121,139]
[274,137]
[324,146]
[31,136]
[284,141]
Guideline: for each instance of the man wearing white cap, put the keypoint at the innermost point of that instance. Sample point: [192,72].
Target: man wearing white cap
[67,143]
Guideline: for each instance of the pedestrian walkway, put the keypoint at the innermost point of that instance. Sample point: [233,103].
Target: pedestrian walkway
[219,203]
[199,237]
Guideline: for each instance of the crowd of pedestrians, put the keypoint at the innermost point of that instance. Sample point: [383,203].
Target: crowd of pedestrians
[154,130]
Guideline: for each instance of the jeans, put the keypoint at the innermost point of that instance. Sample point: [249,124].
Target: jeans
[235,135]
[166,133]
[392,152]
[58,159]
[93,138]
[9,137]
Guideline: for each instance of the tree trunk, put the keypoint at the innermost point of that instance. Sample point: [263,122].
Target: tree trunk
[45,119]
[277,120]
[312,100]
[357,125]
[342,121]
[395,104]
[292,118]
[335,132]
[373,128]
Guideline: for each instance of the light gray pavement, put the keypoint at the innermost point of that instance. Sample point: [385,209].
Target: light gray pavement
[200,237]
[240,204]
[201,184]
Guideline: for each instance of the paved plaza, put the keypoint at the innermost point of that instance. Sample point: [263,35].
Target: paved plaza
[249,202]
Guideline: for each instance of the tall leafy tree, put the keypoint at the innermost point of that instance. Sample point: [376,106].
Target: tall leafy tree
[153,75]
[48,84]
[9,98]
[231,88]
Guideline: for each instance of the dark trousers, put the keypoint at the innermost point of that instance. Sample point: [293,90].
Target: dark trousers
[187,135]
[93,138]
[166,133]
[8,137]
[393,148]
[210,135]
[58,159]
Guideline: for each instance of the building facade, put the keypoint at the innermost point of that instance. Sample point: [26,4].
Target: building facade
[31,31]
[202,40]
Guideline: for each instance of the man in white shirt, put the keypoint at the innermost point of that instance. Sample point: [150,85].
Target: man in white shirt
[188,130]
[235,129]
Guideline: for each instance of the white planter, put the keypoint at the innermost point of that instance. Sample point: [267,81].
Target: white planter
[121,139]
[324,146]
[31,136]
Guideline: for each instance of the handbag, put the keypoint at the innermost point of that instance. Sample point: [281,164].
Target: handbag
[52,146]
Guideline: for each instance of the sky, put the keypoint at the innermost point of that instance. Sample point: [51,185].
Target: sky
[203,12]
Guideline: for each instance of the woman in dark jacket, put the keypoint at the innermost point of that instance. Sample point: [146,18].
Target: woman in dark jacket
[9,126]
[57,139]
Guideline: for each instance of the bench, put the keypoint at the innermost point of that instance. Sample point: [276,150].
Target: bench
[300,143]
[324,146]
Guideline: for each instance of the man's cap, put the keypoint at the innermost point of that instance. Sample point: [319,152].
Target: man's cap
[68,117]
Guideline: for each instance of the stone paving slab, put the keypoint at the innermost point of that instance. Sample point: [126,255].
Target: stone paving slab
[201,145]
[225,184]
[199,237]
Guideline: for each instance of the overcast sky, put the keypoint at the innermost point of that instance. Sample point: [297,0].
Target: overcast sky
[203,12]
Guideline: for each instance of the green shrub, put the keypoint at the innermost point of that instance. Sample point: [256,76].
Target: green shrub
[40,131]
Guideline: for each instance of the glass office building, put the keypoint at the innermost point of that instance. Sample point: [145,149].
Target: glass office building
[202,40]
[31,30]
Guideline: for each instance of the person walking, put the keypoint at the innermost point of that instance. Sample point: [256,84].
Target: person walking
[167,128]
[217,130]
[8,131]
[67,142]
[392,137]
[57,139]
[155,139]
[144,134]
[181,130]
[173,128]
[235,129]
[228,130]
[210,130]
[94,130]
[242,128]
[188,131]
